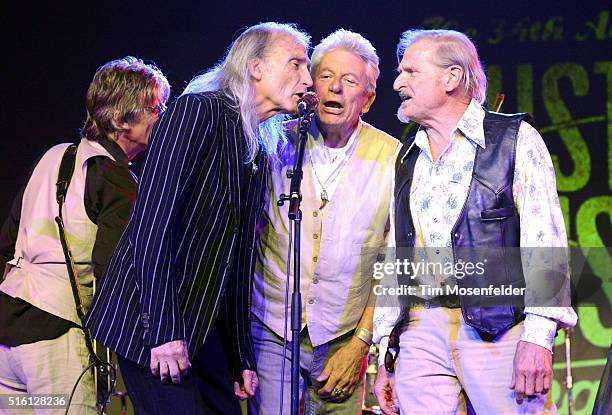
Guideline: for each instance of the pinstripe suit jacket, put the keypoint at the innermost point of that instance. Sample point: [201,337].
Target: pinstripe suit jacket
[186,256]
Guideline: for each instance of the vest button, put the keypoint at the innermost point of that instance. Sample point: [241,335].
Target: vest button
[315,213]
[311,301]
[457,235]
[315,236]
[315,281]
[314,259]
[469,317]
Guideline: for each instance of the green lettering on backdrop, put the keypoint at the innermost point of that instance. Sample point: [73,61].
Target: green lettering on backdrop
[599,262]
[494,80]
[596,30]
[586,227]
[592,329]
[583,392]
[560,115]
[524,75]
[588,235]
[565,208]
[605,68]
[553,29]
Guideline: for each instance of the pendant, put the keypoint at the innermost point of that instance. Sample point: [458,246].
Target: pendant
[324,196]
[324,199]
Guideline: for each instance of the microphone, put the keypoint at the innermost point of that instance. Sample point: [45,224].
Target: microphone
[307,103]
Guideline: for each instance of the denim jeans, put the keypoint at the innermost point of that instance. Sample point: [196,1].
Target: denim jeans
[269,351]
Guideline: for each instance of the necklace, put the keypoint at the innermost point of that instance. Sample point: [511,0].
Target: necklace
[329,154]
[332,178]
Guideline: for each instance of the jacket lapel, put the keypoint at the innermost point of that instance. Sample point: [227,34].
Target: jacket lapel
[232,141]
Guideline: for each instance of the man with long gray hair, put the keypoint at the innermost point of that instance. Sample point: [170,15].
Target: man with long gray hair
[184,263]
[471,188]
[346,192]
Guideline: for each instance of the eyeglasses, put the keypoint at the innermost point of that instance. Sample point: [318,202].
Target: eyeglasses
[158,109]
[392,349]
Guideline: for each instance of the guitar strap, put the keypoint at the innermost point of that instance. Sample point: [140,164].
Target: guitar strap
[104,378]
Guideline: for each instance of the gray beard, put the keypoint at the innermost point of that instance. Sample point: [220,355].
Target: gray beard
[401,116]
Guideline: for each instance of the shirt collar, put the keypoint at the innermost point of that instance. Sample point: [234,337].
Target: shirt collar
[114,150]
[318,137]
[470,125]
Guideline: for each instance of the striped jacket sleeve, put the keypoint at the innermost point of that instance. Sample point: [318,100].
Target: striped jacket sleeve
[234,316]
[179,142]
[235,330]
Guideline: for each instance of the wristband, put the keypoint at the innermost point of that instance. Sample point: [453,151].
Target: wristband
[364,335]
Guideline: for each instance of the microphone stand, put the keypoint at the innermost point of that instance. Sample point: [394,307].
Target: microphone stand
[295,216]
[569,381]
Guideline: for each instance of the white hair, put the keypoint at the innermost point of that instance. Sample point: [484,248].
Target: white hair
[453,48]
[351,42]
[231,75]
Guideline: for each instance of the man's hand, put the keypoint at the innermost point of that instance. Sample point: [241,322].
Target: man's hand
[384,390]
[249,385]
[342,371]
[169,361]
[532,373]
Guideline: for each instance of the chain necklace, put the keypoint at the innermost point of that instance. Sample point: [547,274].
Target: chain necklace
[332,178]
[329,154]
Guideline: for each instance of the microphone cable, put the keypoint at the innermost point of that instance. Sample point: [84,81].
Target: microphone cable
[113,380]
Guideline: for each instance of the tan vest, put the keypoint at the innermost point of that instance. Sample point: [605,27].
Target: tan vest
[337,242]
[38,273]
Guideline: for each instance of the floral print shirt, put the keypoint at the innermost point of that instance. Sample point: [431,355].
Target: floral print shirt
[439,190]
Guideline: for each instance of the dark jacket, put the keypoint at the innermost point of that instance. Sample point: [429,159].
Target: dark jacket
[186,257]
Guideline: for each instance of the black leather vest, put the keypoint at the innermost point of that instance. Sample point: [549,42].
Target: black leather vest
[489,220]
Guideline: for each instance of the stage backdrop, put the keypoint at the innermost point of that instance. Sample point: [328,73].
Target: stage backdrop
[553,60]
